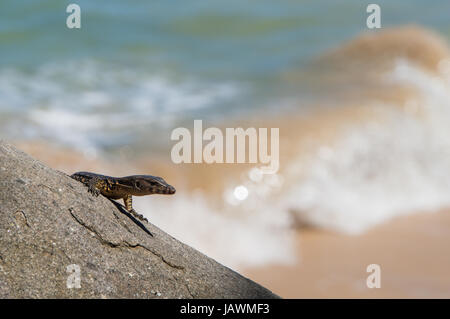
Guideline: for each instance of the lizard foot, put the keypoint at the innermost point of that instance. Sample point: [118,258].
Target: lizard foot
[92,186]
[138,216]
[94,191]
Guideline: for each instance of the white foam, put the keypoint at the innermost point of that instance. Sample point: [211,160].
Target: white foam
[247,237]
[77,103]
[372,173]
[377,171]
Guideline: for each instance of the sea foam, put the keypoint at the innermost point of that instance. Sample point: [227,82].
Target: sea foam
[381,169]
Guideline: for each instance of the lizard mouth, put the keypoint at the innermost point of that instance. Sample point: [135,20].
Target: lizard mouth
[171,190]
[167,190]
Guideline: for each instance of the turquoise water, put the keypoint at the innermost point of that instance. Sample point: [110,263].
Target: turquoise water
[215,39]
[140,63]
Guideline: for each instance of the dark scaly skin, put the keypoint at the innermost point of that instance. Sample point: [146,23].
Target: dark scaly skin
[124,187]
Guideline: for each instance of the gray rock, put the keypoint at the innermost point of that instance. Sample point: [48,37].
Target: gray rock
[50,227]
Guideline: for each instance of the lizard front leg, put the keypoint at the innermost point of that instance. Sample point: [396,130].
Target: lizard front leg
[128,201]
[93,186]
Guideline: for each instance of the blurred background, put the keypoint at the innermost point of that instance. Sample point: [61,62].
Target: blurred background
[363,116]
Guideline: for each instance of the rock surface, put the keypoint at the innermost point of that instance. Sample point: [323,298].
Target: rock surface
[50,227]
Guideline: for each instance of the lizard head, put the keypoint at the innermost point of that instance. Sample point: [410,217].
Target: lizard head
[147,185]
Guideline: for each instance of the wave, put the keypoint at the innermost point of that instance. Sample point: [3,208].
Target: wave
[397,160]
[368,156]
[89,104]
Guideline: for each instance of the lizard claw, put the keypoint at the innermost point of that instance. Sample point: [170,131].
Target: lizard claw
[94,191]
[138,216]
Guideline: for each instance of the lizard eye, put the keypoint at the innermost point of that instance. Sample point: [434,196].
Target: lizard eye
[138,184]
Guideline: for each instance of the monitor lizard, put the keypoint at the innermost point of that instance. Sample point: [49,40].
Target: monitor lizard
[124,187]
